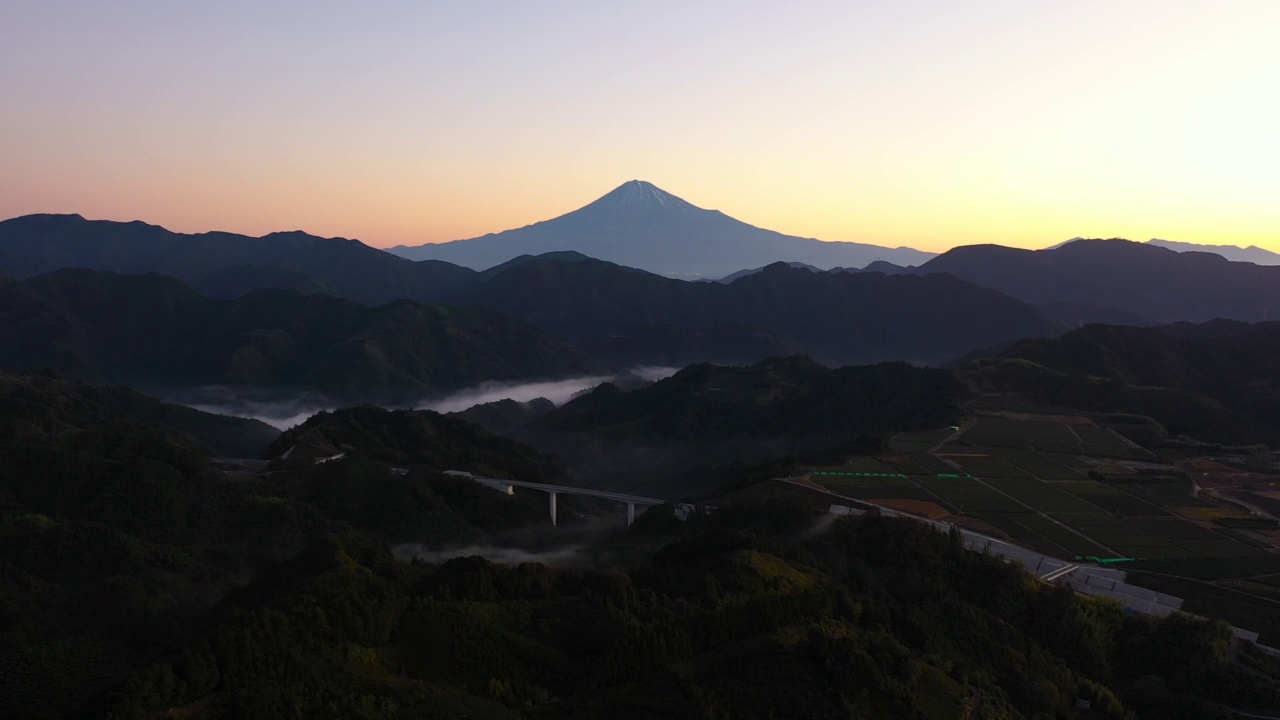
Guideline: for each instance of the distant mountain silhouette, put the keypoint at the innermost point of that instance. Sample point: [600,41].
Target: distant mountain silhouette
[156,332]
[223,264]
[727,279]
[839,318]
[882,266]
[1235,253]
[1119,281]
[641,226]
[621,315]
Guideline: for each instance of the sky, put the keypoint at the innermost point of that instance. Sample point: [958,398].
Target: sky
[903,122]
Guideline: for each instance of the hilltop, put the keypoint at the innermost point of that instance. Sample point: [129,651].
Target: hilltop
[1119,282]
[223,264]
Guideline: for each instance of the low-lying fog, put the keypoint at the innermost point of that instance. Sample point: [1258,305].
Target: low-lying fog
[505,555]
[284,413]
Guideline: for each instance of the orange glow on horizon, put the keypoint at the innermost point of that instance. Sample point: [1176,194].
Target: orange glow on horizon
[919,124]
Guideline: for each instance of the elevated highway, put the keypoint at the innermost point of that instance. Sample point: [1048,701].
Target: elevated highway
[554,491]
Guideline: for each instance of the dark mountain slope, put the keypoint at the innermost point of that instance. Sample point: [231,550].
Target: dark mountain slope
[1119,281]
[155,331]
[35,407]
[426,439]
[707,415]
[137,581]
[680,345]
[223,263]
[121,543]
[639,225]
[838,317]
[1217,381]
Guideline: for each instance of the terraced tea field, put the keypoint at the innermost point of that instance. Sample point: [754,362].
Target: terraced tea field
[1064,486]
[994,469]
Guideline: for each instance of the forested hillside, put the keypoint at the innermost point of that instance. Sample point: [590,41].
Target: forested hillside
[1214,381]
[136,581]
[154,331]
[707,416]
[838,318]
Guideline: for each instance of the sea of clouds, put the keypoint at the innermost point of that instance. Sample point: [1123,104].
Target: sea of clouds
[284,413]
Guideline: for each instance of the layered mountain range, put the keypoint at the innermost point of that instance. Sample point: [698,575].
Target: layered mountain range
[539,319]
[362,323]
[223,264]
[1117,281]
[156,332]
[1235,253]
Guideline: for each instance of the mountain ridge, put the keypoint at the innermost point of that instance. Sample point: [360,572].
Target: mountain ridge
[217,261]
[839,318]
[1236,253]
[155,331]
[1118,280]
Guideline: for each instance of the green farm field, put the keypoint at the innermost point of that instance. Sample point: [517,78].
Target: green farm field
[1029,479]
[1035,464]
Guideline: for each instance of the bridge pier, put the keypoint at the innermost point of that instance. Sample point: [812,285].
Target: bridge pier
[631,513]
[553,507]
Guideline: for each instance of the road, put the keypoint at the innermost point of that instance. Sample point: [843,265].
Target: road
[1087,579]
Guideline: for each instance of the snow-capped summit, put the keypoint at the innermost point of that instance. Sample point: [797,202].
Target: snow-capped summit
[639,192]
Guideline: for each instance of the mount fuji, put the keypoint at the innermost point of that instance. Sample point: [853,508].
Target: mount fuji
[642,226]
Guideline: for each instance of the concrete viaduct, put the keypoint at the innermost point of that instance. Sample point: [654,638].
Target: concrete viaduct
[631,501]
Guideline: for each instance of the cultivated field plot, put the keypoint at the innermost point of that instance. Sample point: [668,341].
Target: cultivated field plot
[1013,526]
[1259,568]
[1123,537]
[1074,438]
[1093,436]
[880,492]
[859,464]
[1029,477]
[870,486]
[1063,536]
[1016,433]
[1044,535]
[1272,580]
[1071,460]
[904,464]
[1198,540]
[1045,497]
[917,442]
[1111,498]
[932,465]
[1254,587]
[1035,464]
[969,496]
[1239,608]
[1164,494]
[977,463]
